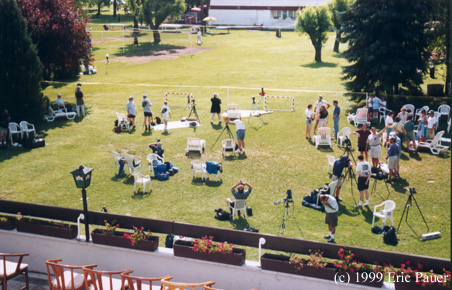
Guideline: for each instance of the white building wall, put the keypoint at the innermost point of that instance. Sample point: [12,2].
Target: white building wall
[248,18]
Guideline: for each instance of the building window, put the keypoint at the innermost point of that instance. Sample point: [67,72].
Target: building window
[293,14]
[283,14]
[276,14]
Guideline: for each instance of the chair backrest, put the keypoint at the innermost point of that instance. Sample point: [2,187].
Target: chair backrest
[409,108]
[14,127]
[361,113]
[332,187]
[137,176]
[346,131]
[24,125]
[325,132]
[116,156]
[140,283]
[330,158]
[129,159]
[436,140]
[154,157]
[444,110]
[103,280]
[228,143]
[121,117]
[197,165]
[168,285]
[5,262]
[239,203]
[63,280]
[418,111]
[389,205]
[193,142]
[233,107]
[51,111]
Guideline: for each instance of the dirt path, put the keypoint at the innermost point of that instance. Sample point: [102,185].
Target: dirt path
[142,57]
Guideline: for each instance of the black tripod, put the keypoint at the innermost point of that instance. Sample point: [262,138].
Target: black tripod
[231,136]
[350,175]
[408,204]
[374,188]
[348,149]
[286,209]
[193,111]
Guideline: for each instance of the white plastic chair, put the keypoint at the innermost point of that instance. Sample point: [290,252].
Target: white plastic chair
[360,117]
[331,160]
[122,121]
[418,111]
[382,112]
[130,161]
[344,132]
[198,166]
[233,111]
[239,204]
[448,126]
[444,110]
[228,145]
[117,157]
[330,190]
[27,128]
[14,128]
[323,137]
[154,159]
[53,114]
[435,146]
[437,115]
[140,179]
[389,207]
[410,109]
[195,144]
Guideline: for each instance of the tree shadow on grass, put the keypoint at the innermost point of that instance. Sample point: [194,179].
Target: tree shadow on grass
[147,49]
[319,65]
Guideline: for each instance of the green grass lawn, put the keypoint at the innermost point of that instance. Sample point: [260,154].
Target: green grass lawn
[277,158]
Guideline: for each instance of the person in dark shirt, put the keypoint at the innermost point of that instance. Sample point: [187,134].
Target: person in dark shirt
[393,155]
[240,193]
[336,114]
[363,134]
[216,107]
[409,133]
[338,168]
[4,128]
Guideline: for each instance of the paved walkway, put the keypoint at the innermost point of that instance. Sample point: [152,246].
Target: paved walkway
[36,281]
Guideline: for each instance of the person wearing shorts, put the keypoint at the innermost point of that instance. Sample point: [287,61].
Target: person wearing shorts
[331,215]
[363,134]
[146,104]
[215,108]
[393,156]
[131,111]
[166,113]
[431,124]
[309,118]
[364,172]
[317,105]
[240,134]
[374,147]
[409,133]
[338,168]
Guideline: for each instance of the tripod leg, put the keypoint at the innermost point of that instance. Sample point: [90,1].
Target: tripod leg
[219,137]
[428,229]
[283,223]
[296,222]
[403,213]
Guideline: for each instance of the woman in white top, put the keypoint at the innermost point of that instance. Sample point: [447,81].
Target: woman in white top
[309,118]
[389,121]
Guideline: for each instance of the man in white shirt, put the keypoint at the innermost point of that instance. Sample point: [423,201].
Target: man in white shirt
[364,171]
[331,216]
[62,104]
[166,113]
[373,145]
[240,134]
[431,124]
[146,104]
[131,111]
[319,103]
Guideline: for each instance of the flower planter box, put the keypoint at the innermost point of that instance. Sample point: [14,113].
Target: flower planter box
[413,286]
[280,263]
[117,240]
[10,224]
[185,249]
[47,229]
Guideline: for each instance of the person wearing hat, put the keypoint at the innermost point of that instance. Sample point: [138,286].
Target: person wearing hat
[80,103]
[338,168]
[373,145]
[403,115]
[317,105]
[131,111]
[146,104]
[393,153]
[62,104]
[431,124]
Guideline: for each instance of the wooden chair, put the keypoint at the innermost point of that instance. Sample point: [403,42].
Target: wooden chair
[104,280]
[10,269]
[140,283]
[66,276]
[168,285]
[210,288]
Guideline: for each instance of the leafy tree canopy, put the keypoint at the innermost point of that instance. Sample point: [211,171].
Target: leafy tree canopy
[336,8]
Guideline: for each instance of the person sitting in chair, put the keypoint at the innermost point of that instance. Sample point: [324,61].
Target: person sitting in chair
[62,104]
[157,148]
[240,193]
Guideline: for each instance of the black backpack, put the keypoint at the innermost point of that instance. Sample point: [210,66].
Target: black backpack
[390,237]
[169,241]
[158,120]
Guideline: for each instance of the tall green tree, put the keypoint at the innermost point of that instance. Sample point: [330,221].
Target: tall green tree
[156,11]
[386,45]
[135,7]
[336,8]
[20,68]
[315,22]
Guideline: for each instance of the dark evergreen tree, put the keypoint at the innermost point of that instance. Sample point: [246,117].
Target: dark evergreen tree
[386,45]
[20,68]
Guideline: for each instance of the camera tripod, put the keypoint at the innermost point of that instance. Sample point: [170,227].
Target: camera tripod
[374,188]
[231,136]
[105,67]
[287,209]
[408,204]
[193,111]
[350,175]
[348,151]
[254,107]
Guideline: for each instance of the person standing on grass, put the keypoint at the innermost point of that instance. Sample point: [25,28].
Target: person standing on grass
[309,118]
[146,104]
[317,105]
[166,113]
[215,108]
[364,172]
[79,100]
[373,142]
[370,105]
[135,41]
[376,107]
[131,111]
[393,153]
[338,168]
[198,37]
[336,114]
[240,134]
[323,117]
[409,134]
[431,124]
[331,215]
[363,134]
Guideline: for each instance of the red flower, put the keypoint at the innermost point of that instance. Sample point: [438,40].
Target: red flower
[117,225]
[142,228]
[19,213]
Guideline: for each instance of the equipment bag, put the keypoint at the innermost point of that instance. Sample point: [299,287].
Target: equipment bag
[390,237]
[117,129]
[38,143]
[162,176]
[222,215]
[158,120]
[169,241]
[249,211]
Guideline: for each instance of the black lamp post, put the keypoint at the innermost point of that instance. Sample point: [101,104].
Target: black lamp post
[82,178]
